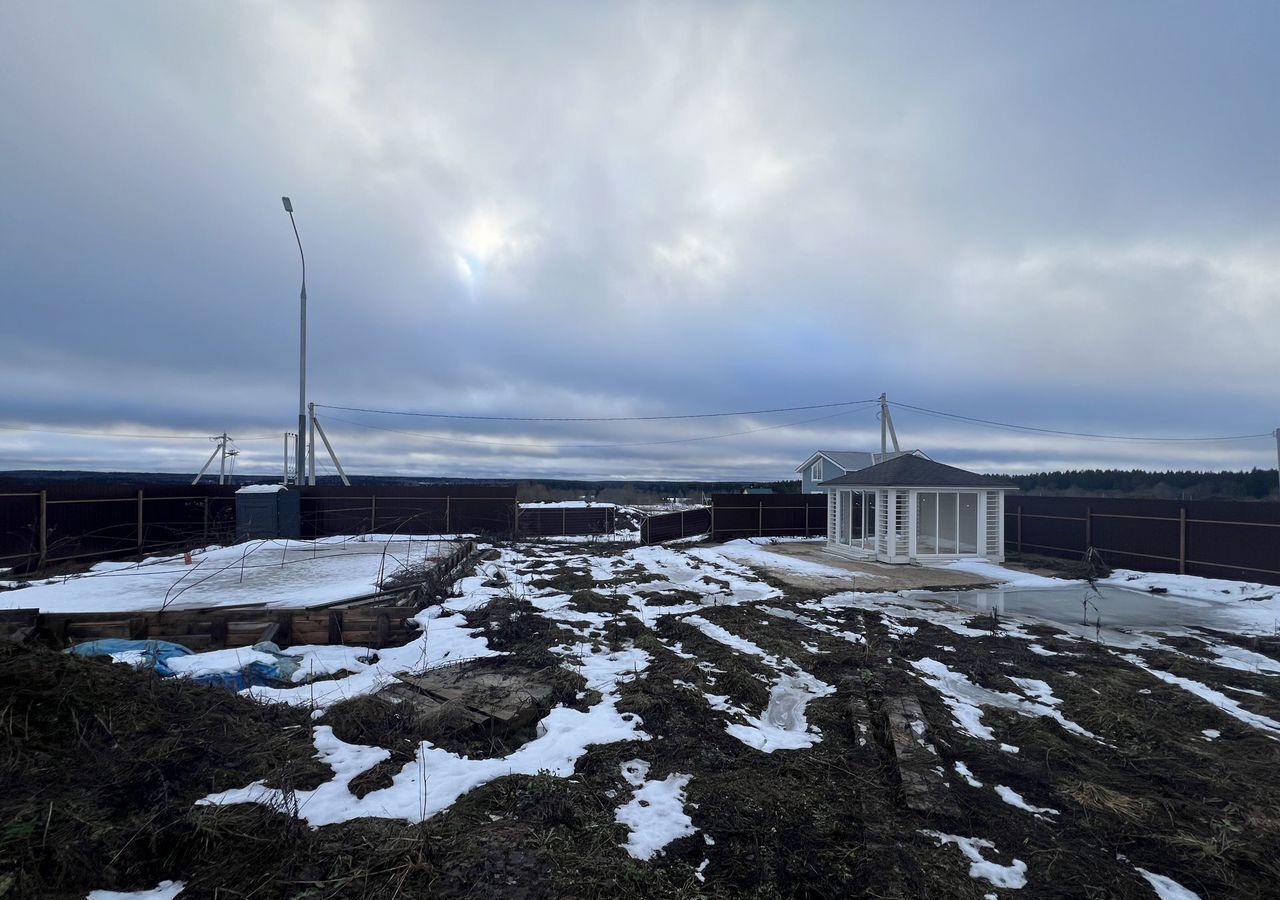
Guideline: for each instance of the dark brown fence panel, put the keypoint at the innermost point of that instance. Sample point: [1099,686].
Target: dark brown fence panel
[419,509]
[555,521]
[768,515]
[675,525]
[1212,538]
[47,524]
[42,525]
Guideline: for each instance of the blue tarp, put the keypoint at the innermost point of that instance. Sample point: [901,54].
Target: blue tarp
[156,654]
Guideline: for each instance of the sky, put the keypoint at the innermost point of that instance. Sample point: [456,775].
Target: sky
[1055,215]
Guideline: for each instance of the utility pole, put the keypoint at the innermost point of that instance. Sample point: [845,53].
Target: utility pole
[887,430]
[222,464]
[1278,453]
[302,349]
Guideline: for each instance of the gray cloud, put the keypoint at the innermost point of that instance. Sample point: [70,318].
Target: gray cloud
[1045,215]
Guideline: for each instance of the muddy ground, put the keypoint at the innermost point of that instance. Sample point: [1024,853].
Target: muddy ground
[103,766]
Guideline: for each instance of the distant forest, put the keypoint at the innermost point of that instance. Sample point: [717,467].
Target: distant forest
[1258,484]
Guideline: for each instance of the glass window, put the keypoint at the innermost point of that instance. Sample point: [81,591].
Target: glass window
[843,510]
[855,517]
[926,522]
[815,473]
[869,525]
[947,522]
[968,523]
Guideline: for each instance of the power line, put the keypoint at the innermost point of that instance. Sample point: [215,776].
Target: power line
[717,415]
[707,437]
[122,434]
[1079,434]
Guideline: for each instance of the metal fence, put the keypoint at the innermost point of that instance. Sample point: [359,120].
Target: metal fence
[768,515]
[1212,538]
[672,526]
[410,509]
[41,526]
[556,521]
[44,525]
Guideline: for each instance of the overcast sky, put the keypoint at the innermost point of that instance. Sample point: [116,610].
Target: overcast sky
[1059,215]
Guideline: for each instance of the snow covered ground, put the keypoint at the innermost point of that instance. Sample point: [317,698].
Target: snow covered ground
[283,573]
[772,685]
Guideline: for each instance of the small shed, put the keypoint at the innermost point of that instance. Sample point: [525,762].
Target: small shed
[267,511]
[913,510]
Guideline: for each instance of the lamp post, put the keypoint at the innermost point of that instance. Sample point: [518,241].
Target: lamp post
[302,354]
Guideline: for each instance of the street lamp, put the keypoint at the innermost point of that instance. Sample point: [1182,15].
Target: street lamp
[302,352]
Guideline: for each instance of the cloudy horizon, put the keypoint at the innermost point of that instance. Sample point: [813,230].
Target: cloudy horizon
[1054,216]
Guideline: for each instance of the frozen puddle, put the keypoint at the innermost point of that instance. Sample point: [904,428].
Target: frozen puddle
[966,700]
[655,814]
[783,725]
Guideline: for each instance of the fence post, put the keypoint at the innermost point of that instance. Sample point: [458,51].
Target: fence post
[1088,527]
[1019,528]
[713,520]
[805,507]
[206,521]
[564,516]
[682,531]
[448,529]
[1182,540]
[140,531]
[373,513]
[44,527]
[760,524]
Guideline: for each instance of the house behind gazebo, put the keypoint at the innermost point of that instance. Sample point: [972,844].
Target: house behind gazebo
[913,510]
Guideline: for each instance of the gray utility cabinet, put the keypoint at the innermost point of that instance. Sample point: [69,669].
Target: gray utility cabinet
[268,511]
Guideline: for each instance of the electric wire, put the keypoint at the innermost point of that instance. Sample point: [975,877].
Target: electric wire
[716,415]
[122,434]
[1077,434]
[595,446]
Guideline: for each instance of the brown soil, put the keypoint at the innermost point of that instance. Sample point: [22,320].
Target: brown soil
[103,766]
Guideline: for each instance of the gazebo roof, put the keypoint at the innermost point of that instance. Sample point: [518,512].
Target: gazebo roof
[916,471]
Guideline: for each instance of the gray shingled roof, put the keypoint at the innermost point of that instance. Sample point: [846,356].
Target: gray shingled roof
[915,471]
[852,460]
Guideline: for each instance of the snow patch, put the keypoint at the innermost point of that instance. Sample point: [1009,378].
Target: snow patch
[655,814]
[1013,875]
[1166,888]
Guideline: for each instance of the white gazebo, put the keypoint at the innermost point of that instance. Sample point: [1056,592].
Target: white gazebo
[914,510]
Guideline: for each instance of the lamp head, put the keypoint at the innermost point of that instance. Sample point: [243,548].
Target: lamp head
[288,204]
